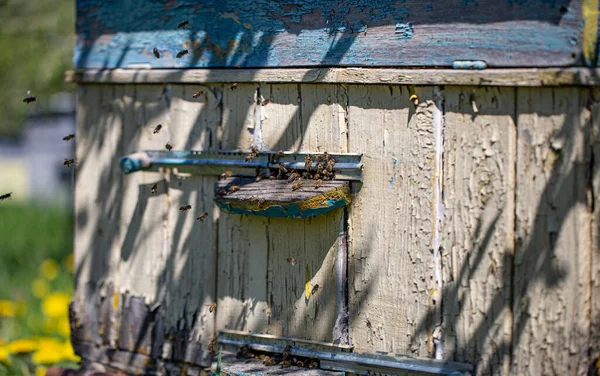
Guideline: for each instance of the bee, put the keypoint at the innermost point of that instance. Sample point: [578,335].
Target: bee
[307,162]
[268,361]
[234,188]
[168,147]
[319,158]
[154,188]
[330,164]
[222,192]
[313,365]
[327,175]
[325,156]
[202,216]
[183,24]
[156,53]
[291,261]
[182,53]
[261,202]
[234,86]
[198,93]
[157,129]
[250,157]
[69,137]
[318,183]
[280,153]
[212,345]
[293,177]
[69,162]
[314,289]
[29,100]
[254,150]
[266,102]
[185,207]
[307,175]
[300,363]
[212,307]
[225,175]
[285,364]
[282,169]
[297,186]
[5,196]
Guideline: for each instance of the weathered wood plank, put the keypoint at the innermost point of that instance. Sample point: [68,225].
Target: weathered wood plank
[311,33]
[595,251]
[552,257]
[258,289]
[383,76]
[390,225]
[478,241]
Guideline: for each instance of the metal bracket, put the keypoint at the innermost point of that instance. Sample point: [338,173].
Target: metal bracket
[347,166]
[341,358]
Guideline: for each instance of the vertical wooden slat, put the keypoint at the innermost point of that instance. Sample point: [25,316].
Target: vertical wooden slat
[552,256]
[594,195]
[390,220]
[479,178]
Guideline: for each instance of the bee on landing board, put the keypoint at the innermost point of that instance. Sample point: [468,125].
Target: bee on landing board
[183,24]
[156,53]
[202,216]
[29,100]
[168,147]
[318,183]
[249,157]
[154,188]
[69,137]
[198,93]
[307,162]
[293,177]
[185,207]
[157,129]
[291,261]
[69,162]
[212,307]
[182,53]
[5,196]
[297,186]
[234,188]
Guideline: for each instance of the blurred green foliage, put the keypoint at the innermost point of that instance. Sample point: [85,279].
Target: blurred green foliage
[36,48]
[36,282]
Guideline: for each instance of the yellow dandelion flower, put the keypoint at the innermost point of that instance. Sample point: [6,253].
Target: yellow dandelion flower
[40,371]
[39,288]
[56,305]
[7,308]
[69,262]
[49,351]
[49,269]
[21,346]
[4,355]
[63,327]
[68,353]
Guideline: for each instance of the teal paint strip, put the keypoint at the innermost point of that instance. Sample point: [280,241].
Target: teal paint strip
[263,33]
[284,211]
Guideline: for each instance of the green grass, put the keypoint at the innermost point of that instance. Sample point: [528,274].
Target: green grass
[29,236]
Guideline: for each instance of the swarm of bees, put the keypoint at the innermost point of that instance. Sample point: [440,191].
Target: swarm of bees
[318,169]
[284,360]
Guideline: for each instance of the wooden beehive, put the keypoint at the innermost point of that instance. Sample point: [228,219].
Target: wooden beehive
[473,236]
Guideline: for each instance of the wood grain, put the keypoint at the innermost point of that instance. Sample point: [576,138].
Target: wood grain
[478,240]
[552,256]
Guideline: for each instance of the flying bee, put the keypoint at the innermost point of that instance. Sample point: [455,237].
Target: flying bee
[183,24]
[226,175]
[69,137]
[154,188]
[234,86]
[307,162]
[168,147]
[182,53]
[314,289]
[202,216]
[212,307]
[157,129]
[293,177]
[5,196]
[198,93]
[156,53]
[291,261]
[234,188]
[297,186]
[266,102]
[318,183]
[185,207]
[29,100]
[69,162]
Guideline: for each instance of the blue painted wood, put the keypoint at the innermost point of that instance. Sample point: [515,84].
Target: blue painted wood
[291,210]
[265,33]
